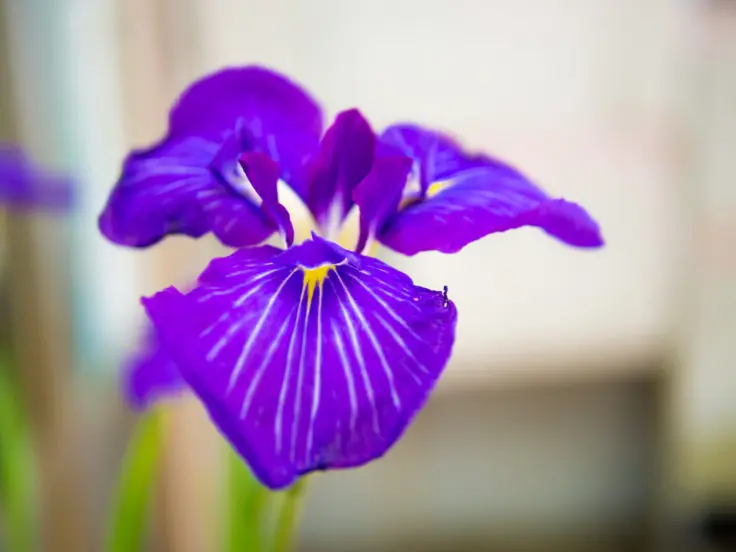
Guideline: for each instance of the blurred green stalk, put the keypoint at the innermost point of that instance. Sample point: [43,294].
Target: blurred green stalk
[16,467]
[132,499]
[288,518]
[258,519]
[247,504]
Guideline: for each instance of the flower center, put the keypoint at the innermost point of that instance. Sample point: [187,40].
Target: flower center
[239,182]
[314,277]
[412,189]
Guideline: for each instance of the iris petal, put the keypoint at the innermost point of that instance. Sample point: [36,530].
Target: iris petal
[156,194]
[151,374]
[480,202]
[307,359]
[437,155]
[466,197]
[263,173]
[189,182]
[379,194]
[344,159]
[279,117]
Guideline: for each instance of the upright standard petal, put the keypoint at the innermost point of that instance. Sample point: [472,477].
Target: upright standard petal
[278,116]
[344,159]
[191,183]
[263,174]
[24,185]
[307,359]
[437,156]
[466,197]
[379,194]
[150,374]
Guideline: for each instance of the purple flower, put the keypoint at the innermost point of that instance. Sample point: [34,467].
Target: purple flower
[191,182]
[310,357]
[307,358]
[451,198]
[23,185]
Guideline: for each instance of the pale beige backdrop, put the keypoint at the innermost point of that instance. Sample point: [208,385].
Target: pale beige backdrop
[591,393]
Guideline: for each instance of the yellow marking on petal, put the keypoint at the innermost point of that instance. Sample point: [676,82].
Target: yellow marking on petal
[408,200]
[314,277]
[415,197]
[437,187]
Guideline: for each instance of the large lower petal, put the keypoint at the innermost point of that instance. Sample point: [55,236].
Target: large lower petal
[280,118]
[308,359]
[344,159]
[481,201]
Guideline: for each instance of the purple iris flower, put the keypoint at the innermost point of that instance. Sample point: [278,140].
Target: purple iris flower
[192,183]
[452,198]
[23,185]
[314,356]
[307,358]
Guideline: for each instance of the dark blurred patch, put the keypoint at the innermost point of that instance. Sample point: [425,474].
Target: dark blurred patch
[718,527]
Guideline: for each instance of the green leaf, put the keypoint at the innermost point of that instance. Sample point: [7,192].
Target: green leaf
[17,489]
[128,527]
[288,517]
[247,505]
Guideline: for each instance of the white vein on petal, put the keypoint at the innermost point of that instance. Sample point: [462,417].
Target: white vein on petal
[361,361]
[386,307]
[273,151]
[352,394]
[256,331]
[230,290]
[145,173]
[230,224]
[317,387]
[299,381]
[252,388]
[278,422]
[392,291]
[247,268]
[376,345]
[215,350]
[401,343]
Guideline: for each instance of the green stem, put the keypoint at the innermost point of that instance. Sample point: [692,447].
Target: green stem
[131,501]
[16,468]
[287,521]
[246,503]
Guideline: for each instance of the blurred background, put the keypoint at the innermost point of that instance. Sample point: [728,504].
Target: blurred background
[591,401]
